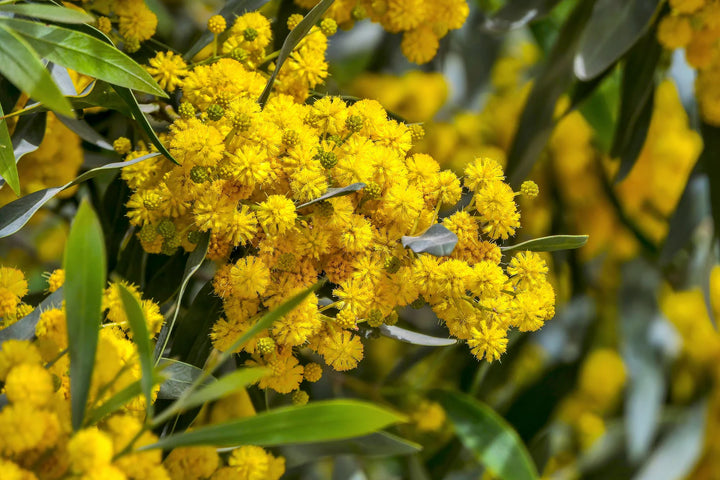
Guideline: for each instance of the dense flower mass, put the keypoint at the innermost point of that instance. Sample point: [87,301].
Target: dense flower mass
[695,26]
[263,184]
[422,23]
[36,437]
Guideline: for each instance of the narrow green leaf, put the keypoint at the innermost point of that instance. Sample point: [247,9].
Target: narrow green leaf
[22,66]
[224,386]
[231,10]
[141,337]
[84,266]
[549,244]
[120,399]
[488,436]
[48,12]
[129,98]
[537,119]
[16,214]
[24,329]
[615,26]
[691,210]
[334,192]
[709,159]
[180,376]
[194,262]
[379,444]
[85,54]
[315,422]
[437,240]
[414,338]
[518,13]
[291,42]
[29,134]
[8,168]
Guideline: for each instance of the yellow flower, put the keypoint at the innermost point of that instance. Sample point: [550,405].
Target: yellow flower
[249,277]
[276,215]
[30,384]
[253,463]
[487,341]
[190,463]
[342,350]
[137,22]
[89,449]
[420,45]
[56,280]
[428,416]
[17,352]
[168,69]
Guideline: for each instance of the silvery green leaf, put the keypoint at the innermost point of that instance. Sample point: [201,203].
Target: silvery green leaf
[335,192]
[437,240]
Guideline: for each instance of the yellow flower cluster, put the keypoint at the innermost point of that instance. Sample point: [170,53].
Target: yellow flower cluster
[252,178]
[54,163]
[423,23]
[416,95]
[134,21]
[695,26]
[13,286]
[36,437]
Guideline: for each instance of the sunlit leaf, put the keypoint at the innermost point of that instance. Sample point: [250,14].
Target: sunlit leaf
[84,266]
[549,244]
[8,168]
[414,338]
[334,192]
[179,376]
[225,385]
[314,422]
[22,66]
[48,12]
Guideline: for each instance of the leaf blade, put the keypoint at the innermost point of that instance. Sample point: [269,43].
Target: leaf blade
[437,240]
[48,12]
[8,167]
[84,265]
[414,338]
[225,385]
[549,244]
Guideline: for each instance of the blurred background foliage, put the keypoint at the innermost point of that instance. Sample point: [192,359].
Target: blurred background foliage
[613,108]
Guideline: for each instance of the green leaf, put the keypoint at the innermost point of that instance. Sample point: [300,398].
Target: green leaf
[549,244]
[16,214]
[709,160]
[141,337]
[24,329]
[231,10]
[129,98]
[692,209]
[315,422]
[22,66]
[488,436]
[437,240]
[334,192]
[291,42]
[379,444]
[84,266]
[518,13]
[85,54]
[636,102]
[48,12]
[29,134]
[414,338]
[180,376]
[224,386]
[8,168]
[615,26]
[83,130]
[194,262]
[537,119]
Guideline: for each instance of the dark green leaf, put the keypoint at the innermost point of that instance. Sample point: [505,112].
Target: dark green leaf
[28,135]
[491,439]
[437,240]
[224,386]
[537,119]
[48,12]
[86,132]
[291,42]
[335,192]
[85,54]
[8,168]
[379,444]
[600,107]
[84,266]
[141,337]
[636,99]
[710,159]
[549,244]
[16,214]
[194,262]
[24,329]
[615,26]
[231,10]
[129,98]
[158,269]
[180,376]
[518,13]
[692,208]
[679,451]
[414,338]
[191,341]
[22,66]
[315,422]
